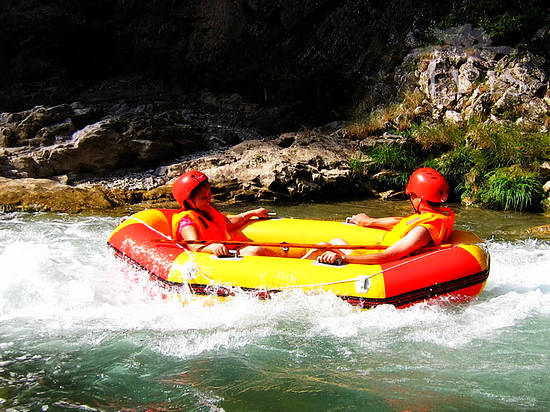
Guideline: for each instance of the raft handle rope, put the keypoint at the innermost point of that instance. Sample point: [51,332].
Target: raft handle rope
[359,280]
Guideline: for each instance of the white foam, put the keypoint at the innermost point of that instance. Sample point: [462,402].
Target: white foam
[59,274]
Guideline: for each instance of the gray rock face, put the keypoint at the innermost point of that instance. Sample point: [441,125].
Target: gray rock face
[51,141]
[466,80]
[293,166]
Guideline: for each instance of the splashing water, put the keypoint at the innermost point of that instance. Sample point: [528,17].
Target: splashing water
[79,329]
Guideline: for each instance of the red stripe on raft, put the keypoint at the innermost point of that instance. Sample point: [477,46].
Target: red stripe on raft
[136,240]
[458,290]
[419,272]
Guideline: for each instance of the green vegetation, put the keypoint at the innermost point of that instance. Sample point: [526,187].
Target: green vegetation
[388,156]
[512,188]
[496,165]
[502,20]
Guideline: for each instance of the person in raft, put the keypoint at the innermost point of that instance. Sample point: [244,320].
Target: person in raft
[430,224]
[199,220]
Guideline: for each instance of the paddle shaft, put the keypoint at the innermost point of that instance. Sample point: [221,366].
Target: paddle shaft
[275,244]
[289,245]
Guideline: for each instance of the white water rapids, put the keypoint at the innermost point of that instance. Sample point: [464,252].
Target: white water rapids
[78,328]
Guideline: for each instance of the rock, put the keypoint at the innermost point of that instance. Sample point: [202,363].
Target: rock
[306,165]
[293,166]
[45,195]
[48,195]
[452,116]
[473,78]
[97,148]
[50,141]
[463,36]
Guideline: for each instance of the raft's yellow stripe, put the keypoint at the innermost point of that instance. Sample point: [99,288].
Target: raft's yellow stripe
[263,273]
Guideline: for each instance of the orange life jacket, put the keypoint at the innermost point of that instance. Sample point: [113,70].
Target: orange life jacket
[440,226]
[213,227]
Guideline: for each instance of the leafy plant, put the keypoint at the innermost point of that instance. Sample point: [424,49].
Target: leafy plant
[357,165]
[512,189]
[502,20]
[396,181]
[502,145]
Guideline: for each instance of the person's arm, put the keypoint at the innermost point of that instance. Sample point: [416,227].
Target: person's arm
[414,240]
[190,233]
[236,221]
[364,220]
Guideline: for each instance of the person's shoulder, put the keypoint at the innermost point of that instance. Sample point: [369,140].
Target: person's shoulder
[186,212]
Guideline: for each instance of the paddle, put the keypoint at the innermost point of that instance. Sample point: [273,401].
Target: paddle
[272,244]
[278,244]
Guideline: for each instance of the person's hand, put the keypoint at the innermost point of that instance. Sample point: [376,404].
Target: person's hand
[219,249]
[331,257]
[361,219]
[260,212]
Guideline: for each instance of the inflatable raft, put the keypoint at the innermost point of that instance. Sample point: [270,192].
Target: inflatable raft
[455,271]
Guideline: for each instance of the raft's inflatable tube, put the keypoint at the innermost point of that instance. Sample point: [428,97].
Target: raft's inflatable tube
[457,271]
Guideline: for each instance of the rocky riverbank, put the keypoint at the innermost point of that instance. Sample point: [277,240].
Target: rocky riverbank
[106,151]
[72,158]
[292,166]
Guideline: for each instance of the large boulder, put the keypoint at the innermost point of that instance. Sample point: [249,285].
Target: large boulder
[293,166]
[468,77]
[48,195]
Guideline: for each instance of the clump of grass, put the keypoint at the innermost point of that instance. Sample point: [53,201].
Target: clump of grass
[439,136]
[411,100]
[397,180]
[398,115]
[455,165]
[392,156]
[357,164]
[375,122]
[504,145]
[512,189]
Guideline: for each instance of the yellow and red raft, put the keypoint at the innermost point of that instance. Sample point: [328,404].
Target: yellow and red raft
[455,271]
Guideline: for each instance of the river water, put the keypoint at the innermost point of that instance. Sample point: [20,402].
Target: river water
[77,334]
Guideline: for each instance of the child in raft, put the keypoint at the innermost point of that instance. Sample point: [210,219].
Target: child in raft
[430,224]
[199,220]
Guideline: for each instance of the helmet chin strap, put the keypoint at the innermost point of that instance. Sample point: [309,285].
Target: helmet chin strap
[412,204]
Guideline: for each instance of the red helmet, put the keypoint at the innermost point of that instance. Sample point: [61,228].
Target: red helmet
[428,184]
[184,185]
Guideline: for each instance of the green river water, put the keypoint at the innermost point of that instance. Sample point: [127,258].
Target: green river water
[76,334]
